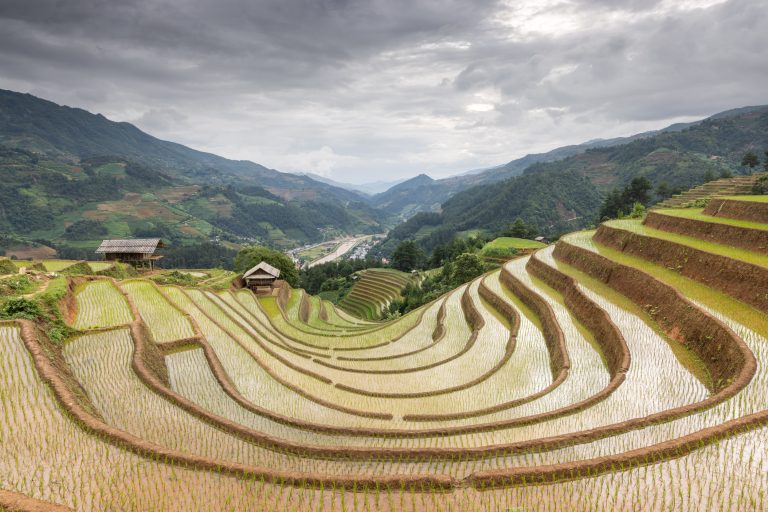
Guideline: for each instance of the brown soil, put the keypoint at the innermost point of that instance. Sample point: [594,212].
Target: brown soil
[741,280]
[50,374]
[735,209]
[527,475]
[304,307]
[725,355]
[553,335]
[747,238]
[593,317]
[15,502]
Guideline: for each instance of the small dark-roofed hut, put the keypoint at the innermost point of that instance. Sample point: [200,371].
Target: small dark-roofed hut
[261,278]
[139,252]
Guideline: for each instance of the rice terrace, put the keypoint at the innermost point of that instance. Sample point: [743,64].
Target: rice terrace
[612,370]
[384,256]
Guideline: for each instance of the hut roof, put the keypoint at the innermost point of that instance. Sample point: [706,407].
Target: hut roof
[137,245]
[265,267]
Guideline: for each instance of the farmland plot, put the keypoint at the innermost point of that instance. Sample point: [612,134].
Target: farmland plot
[100,304]
[165,322]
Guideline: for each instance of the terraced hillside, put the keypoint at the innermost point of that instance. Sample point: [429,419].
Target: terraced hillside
[614,370]
[373,291]
[721,187]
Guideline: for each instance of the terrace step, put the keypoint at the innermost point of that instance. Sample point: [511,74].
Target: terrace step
[741,274]
[748,208]
[726,186]
[720,230]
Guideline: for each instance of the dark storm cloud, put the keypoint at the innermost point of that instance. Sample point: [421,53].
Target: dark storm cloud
[387,87]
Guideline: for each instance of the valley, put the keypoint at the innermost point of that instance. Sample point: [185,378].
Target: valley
[572,376]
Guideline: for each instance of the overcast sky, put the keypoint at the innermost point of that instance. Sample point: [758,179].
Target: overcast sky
[364,90]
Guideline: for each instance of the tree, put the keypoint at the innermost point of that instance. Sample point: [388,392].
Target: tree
[466,267]
[663,191]
[617,203]
[251,256]
[750,160]
[638,191]
[765,165]
[519,229]
[408,256]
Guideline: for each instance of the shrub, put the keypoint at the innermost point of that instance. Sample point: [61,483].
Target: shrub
[20,307]
[7,267]
[177,278]
[761,186]
[638,211]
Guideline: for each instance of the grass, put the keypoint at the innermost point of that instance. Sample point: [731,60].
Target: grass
[753,199]
[505,243]
[697,214]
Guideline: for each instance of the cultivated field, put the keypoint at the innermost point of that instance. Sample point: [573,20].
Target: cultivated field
[614,370]
[373,291]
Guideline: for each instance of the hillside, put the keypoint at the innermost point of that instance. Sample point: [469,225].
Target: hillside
[612,361]
[71,178]
[566,194]
[420,194]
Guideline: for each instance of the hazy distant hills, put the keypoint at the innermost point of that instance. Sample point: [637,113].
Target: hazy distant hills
[71,178]
[63,166]
[559,194]
[370,188]
[419,194]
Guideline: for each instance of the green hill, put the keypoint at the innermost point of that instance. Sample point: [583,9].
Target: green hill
[567,194]
[71,178]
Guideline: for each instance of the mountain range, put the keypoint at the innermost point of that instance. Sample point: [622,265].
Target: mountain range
[563,190]
[71,178]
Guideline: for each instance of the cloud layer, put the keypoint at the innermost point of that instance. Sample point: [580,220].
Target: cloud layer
[360,90]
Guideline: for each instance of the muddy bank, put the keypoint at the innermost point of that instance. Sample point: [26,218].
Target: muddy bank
[553,335]
[50,375]
[726,357]
[746,238]
[593,317]
[735,209]
[741,280]
[725,354]
[15,502]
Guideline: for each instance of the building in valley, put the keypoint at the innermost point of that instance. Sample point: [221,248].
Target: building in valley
[261,278]
[139,252]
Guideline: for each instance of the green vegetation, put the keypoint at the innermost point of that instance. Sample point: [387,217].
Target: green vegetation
[7,267]
[71,178]
[17,285]
[373,290]
[251,256]
[506,246]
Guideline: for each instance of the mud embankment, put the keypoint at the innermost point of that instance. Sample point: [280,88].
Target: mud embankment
[15,502]
[741,280]
[741,210]
[593,317]
[755,240]
[727,357]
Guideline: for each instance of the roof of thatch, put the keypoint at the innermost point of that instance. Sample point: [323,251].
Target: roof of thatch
[138,245]
[265,267]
